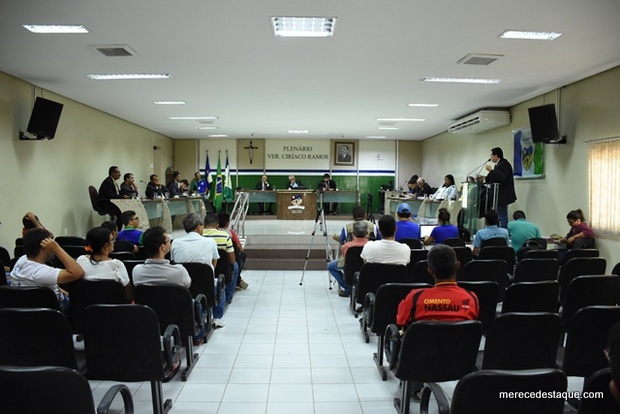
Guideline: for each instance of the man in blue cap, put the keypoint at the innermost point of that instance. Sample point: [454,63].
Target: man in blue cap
[405,228]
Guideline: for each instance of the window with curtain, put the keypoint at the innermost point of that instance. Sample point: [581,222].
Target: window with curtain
[604,180]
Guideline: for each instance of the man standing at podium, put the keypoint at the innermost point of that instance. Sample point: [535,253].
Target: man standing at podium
[502,174]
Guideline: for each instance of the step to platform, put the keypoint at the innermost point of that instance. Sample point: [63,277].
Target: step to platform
[288,252]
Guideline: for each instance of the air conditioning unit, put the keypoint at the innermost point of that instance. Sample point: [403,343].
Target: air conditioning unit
[480,122]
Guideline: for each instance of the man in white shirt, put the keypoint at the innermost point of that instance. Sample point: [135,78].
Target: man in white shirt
[387,250]
[194,247]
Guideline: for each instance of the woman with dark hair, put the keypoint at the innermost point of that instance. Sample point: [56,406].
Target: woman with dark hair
[411,184]
[447,191]
[98,265]
[444,231]
[579,228]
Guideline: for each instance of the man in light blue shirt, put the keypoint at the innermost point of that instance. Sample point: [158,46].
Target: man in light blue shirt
[491,231]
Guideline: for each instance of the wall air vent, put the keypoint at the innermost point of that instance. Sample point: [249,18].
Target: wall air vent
[480,122]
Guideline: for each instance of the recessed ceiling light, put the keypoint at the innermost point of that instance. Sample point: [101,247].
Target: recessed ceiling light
[423,105]
[376,136]
[56,28]
[517,34]
[460,80]
[190,118]
[169,102]
[128,76]
[207,127]
[297,131]
[217,136]
[389,128]
[401,119]
[303,26]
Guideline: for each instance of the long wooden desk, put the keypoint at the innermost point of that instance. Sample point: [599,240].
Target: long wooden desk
[160,212]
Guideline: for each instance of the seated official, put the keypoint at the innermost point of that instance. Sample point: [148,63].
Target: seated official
[327,184]
[447,191]
[336,267]
[131,228]
[444,231]
[109,190]
[411,184]
[405,228]
[491,231]
[98,265]
[32,270]
[154,189]
[294,184]
[175,186]
[422,188]
[387,250]
[129,189]
[264,185]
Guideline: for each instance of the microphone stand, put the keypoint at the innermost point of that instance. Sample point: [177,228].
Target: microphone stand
[479,168]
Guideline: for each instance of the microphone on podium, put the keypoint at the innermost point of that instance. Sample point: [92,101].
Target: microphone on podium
[471,178]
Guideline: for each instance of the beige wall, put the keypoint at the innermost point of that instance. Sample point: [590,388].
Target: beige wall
[589,111]
[409,161]
[51,178]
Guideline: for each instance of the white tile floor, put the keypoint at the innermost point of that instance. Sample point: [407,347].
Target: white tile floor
[285,349]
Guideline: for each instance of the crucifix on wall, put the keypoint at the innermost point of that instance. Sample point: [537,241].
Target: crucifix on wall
[251,154]
[251,149]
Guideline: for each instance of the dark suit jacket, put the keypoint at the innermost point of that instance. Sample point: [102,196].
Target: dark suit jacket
[259,186]
[108,190]
[300,186]
[174,189]
[152,190]
[502,174]
[346,158]
[327,185]
[129,191]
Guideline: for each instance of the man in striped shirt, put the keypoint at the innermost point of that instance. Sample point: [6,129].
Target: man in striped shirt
[224,242]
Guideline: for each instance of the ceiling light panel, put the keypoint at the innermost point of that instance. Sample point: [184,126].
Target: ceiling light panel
[169,102]
[128,76]
[297,131]
[460,80]
[517,34]
[401,119]
[55,28]
[423,105]
[303,26]
[191,118]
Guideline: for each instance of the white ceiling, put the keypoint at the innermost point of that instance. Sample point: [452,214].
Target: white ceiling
[225,61]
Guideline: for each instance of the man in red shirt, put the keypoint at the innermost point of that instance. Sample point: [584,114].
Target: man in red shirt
[446,301]
[336,267]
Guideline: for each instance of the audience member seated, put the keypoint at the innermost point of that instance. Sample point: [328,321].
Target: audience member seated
[336,267]
[579,228]
[154,189]
[387,250]
[129,189]
[293,183]
[131,231]
[446,301]
[224,225]
[447,191]
[156,270]
[490,231]
[224,242]
[31,221]
[194,248]
[521,230]
[32,270]
[613,354]
[422,188]
[119,245]
[444,231]
[346,234]
[405,228]
[98,265]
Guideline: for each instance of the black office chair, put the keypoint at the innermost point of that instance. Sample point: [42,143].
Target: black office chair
[123,256]
[174,305]
[504,253]
[419,273]
[36,336]
[495,241]
[584,243]
[28,297]
[416,256]
[536,270]
[224,268]
[379,311]
[541,254]
[454,242]
[522,341]
[71,241]
[412,243]
[493,270]
[532,297]
[370,277]
[84,293]
[204,283]
[130,264]
[486,292]
[97,205]
[484,392]
[123,344]
[428,353]
[579,266]
[352,263]
[52,389]
[464,255]
[616,269]
[574,253]
[5,257]
[590,291]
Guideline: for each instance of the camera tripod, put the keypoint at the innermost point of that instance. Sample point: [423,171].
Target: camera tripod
[319,223]
[369,214]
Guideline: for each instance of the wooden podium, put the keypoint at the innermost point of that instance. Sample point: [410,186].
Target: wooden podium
[296,204]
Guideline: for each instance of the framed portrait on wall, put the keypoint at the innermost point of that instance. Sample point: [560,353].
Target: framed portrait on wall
[344,153]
